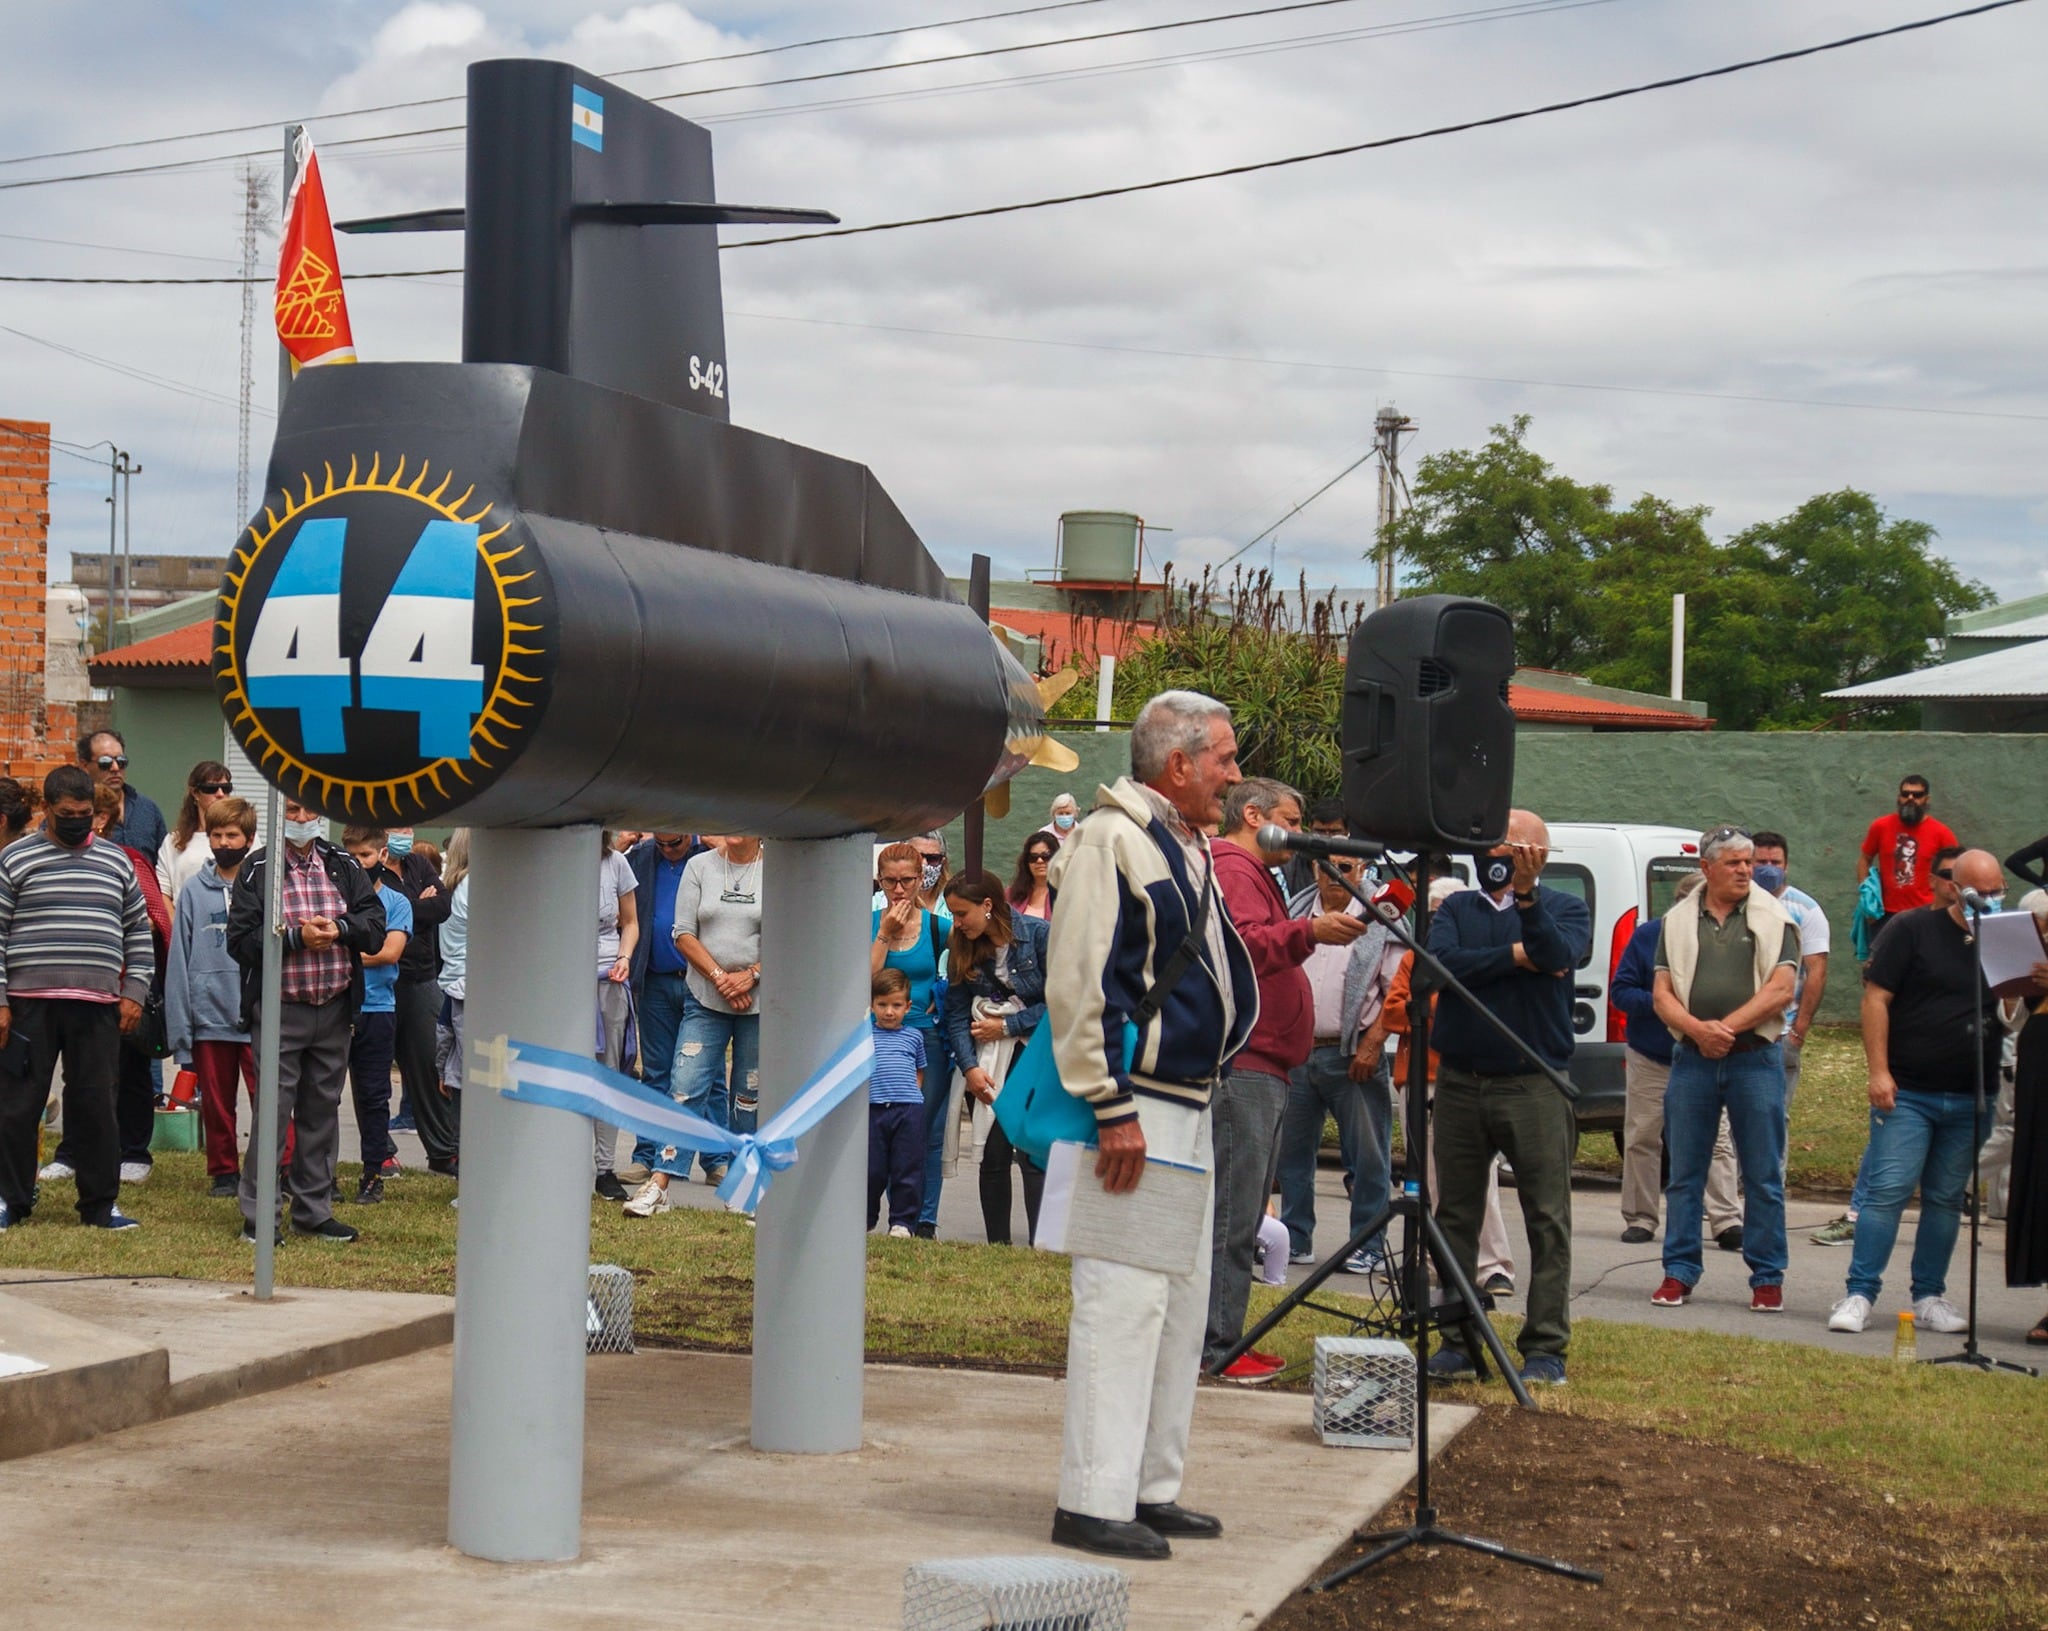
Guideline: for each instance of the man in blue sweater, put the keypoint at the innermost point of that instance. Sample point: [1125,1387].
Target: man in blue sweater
[1514,945]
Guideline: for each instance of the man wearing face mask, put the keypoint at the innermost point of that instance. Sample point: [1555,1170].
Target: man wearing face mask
[1514,945]
[1773,863]
[76,961]
[332,917]
[1901,846]
[1925,1009]
[203,991]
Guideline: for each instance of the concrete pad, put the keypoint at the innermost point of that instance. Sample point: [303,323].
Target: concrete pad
[334,1495]
[93,1381]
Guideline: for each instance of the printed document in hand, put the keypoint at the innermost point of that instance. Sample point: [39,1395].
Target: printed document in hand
[2012,946]
[1156,1226]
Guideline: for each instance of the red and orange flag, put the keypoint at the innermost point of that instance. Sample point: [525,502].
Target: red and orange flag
[312,312]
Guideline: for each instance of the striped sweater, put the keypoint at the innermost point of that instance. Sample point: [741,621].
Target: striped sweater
[72,921]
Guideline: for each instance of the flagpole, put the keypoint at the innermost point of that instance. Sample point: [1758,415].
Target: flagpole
[273,915]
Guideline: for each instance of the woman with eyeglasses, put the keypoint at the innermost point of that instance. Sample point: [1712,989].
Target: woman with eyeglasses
[995,998]
[178,858]
[931,879]
[911,937]
[1029,894]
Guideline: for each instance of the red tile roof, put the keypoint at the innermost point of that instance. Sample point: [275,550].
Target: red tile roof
[1066,635]
[1537,705]
[189,647]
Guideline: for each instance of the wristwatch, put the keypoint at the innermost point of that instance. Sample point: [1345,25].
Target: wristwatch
[1525,898]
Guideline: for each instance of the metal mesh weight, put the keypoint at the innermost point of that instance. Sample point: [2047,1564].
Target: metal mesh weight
[1014,1594]
[608,1314]
[1365,1392]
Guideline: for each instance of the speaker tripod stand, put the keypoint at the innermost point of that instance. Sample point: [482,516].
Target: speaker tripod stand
[1462,1307]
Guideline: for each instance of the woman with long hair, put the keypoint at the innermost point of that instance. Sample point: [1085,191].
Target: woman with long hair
[995,999]
[1030,896]
[179,859]
[910,937]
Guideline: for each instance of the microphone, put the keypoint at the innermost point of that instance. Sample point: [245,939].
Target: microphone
[1274,836]
[1972,900]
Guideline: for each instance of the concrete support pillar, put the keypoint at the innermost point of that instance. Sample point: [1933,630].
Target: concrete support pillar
[522,1256]
[810,1244]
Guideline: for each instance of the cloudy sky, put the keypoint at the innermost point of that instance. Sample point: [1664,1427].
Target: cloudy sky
[1818,275]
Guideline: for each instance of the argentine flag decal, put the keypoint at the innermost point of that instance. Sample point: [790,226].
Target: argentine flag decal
[586,117]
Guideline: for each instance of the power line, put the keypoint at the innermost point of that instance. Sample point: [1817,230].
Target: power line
[1390,141]
[116,249]
[159,282]
[1366,457]
[197,392]
[662,67]
[1242,358]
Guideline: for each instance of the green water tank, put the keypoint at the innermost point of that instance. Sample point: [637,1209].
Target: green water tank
[1099,546]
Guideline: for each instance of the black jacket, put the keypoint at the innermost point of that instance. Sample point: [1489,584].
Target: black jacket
[421,959]
[362,924]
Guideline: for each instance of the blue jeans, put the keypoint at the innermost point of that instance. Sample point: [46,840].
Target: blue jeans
[1751,1088]
[1364,1113]
[664,1000]
[699,1081]
[1859,1192]
[1926,1139]
[938,1084]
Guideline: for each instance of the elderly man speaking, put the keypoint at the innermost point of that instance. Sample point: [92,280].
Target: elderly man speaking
[1725,968]
[1139,916]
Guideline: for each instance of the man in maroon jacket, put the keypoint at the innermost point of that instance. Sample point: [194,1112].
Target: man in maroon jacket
[1248,1106]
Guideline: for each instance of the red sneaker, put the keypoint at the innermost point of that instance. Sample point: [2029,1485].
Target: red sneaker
[1253,1367]
[1672,1293]
[1767,1300]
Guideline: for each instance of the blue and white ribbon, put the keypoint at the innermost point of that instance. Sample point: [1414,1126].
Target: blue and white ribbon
[528,1074]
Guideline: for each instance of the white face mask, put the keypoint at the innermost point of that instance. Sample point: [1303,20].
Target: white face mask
[304,832]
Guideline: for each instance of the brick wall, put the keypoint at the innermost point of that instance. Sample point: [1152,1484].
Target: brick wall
[34,735]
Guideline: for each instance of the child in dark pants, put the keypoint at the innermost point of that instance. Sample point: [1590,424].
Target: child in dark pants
[895,1108]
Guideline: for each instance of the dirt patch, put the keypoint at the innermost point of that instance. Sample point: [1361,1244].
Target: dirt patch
[1687,1534]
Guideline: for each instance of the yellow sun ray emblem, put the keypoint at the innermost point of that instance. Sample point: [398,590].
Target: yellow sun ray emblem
[407,797]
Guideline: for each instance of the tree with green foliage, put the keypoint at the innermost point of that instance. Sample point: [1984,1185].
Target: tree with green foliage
[1784,612]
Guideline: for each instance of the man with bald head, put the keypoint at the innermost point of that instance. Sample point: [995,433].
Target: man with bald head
[1925,1012]
[1514,944]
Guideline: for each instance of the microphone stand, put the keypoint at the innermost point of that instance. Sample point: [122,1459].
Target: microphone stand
[1420,1235]
[1971,1354]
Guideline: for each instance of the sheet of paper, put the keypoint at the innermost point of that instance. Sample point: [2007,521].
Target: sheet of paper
[2012,946]
[1156,1226]
[17,1365]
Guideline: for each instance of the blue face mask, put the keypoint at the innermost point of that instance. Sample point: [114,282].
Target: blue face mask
[1770,879]
[399,844]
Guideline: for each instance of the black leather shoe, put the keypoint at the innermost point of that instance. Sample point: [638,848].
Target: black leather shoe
[1171,1518]
[1108,1536]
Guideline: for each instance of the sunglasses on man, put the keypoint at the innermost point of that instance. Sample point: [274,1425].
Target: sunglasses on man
[112,761]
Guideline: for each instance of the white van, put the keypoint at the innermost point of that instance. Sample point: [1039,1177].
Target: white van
[1626,875]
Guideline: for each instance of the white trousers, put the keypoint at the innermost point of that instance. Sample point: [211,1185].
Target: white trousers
[1134,1349]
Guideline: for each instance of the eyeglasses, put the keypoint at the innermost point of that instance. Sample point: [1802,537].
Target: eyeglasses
[1911,798]
[1721,835]
[1039,857]
[672,843]
[112,761]
[207,787]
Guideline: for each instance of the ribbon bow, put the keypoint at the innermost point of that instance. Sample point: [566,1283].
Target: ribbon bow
[525,1073]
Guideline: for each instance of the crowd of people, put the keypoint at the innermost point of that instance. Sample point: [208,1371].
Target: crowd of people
[1207,997]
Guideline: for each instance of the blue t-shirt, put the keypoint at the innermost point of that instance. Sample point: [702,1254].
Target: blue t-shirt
[920,963]
[899,1056]
[662,956]
[381,984]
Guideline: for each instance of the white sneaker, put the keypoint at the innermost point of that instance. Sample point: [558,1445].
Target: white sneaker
[1938,1314]
[647,1200]
[55,1170]
[898,1232]
[1851,1314]
[135,1172]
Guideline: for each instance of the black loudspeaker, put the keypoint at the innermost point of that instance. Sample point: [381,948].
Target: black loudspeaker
[1428,737]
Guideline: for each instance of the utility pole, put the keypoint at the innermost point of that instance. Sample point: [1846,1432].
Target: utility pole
[256,220]
[114,458]
[122,469]
[1388,427]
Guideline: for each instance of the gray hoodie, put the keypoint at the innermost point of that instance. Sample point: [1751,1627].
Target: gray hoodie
[203,990]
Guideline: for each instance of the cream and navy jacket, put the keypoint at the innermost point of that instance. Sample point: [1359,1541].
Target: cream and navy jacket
[1124,904]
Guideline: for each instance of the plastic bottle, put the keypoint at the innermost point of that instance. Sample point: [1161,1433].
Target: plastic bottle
[1905,1341]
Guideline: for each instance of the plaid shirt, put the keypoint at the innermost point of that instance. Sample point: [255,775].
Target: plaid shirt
[312,976]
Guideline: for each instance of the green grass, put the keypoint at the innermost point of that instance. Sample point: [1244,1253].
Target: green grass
[1830,1117]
